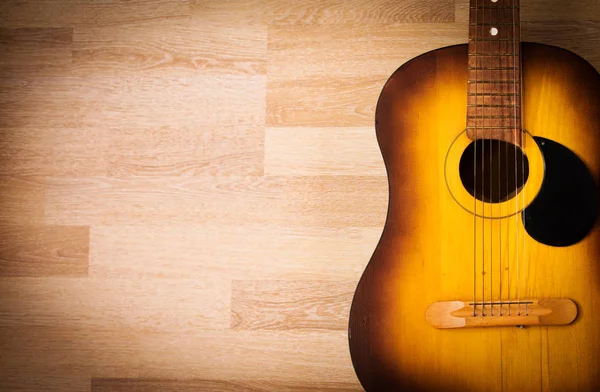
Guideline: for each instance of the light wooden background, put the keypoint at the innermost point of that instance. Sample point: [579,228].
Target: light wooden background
[190,190]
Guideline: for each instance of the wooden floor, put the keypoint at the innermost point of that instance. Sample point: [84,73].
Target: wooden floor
[190,190]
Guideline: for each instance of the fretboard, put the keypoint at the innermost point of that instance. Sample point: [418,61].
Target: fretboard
[494,100]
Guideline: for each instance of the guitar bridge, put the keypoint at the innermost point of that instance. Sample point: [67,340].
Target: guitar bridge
[458,314]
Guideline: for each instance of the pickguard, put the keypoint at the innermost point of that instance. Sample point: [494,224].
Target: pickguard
[566,208]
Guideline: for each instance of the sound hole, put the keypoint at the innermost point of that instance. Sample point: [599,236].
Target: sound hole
[493,171]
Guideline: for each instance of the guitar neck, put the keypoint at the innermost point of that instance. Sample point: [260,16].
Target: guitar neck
[494,100]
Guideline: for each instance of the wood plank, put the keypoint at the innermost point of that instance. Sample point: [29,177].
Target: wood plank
[299,53]
[185,47]
[52,150]
[340,201]
[291,305]
[21,200]
[310,103]
[296,94]
[150,102]
[162,150]
[42,251]
[152,385]
[267,356]
[143,305]
[351,12]
[133,102]
[231,252]
[322,151]
[52,13]
[187,151]
[35,51]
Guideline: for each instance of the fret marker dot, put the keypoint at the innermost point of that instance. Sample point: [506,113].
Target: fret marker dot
[494,31]
[494,1]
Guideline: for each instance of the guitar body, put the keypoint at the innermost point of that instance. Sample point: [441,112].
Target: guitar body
[425,253]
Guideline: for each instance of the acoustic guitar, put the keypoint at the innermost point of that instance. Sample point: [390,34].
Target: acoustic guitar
[487,273]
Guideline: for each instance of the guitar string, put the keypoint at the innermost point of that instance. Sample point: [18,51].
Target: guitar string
[490,176]
[517,46]
[474,42]
[505,155]
[499,72]
[501,76]
[516,130]
[481,35]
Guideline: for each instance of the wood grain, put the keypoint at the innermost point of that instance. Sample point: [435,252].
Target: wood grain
[168,165]
[184,151]
[579,37]
[100,103]
[35,51]
[292,151]
[230,251]
[38,151]
[296,95]
[289,45]
[149,385]
[183,46]
[129,124]
[43,251]
[52,13]
[22,200]
[547,12]
[296,305]
[143,305]
[40,378]
[273,356]
[306,12]
[323,201]
[342,102]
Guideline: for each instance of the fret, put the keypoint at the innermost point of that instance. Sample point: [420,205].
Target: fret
[493,94]
[478,111]
[493,68]
[493,88]
[489,24]
[499,3]
[493,54]
[497,60]
[473,105]
[510,71]
[487,117]
[493,82]
[491,39]
[502,127]
[476,47]
[495,8]
[492,76]
[488,100]
[482,122]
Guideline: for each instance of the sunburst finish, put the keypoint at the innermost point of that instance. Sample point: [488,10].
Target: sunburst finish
[425,254]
